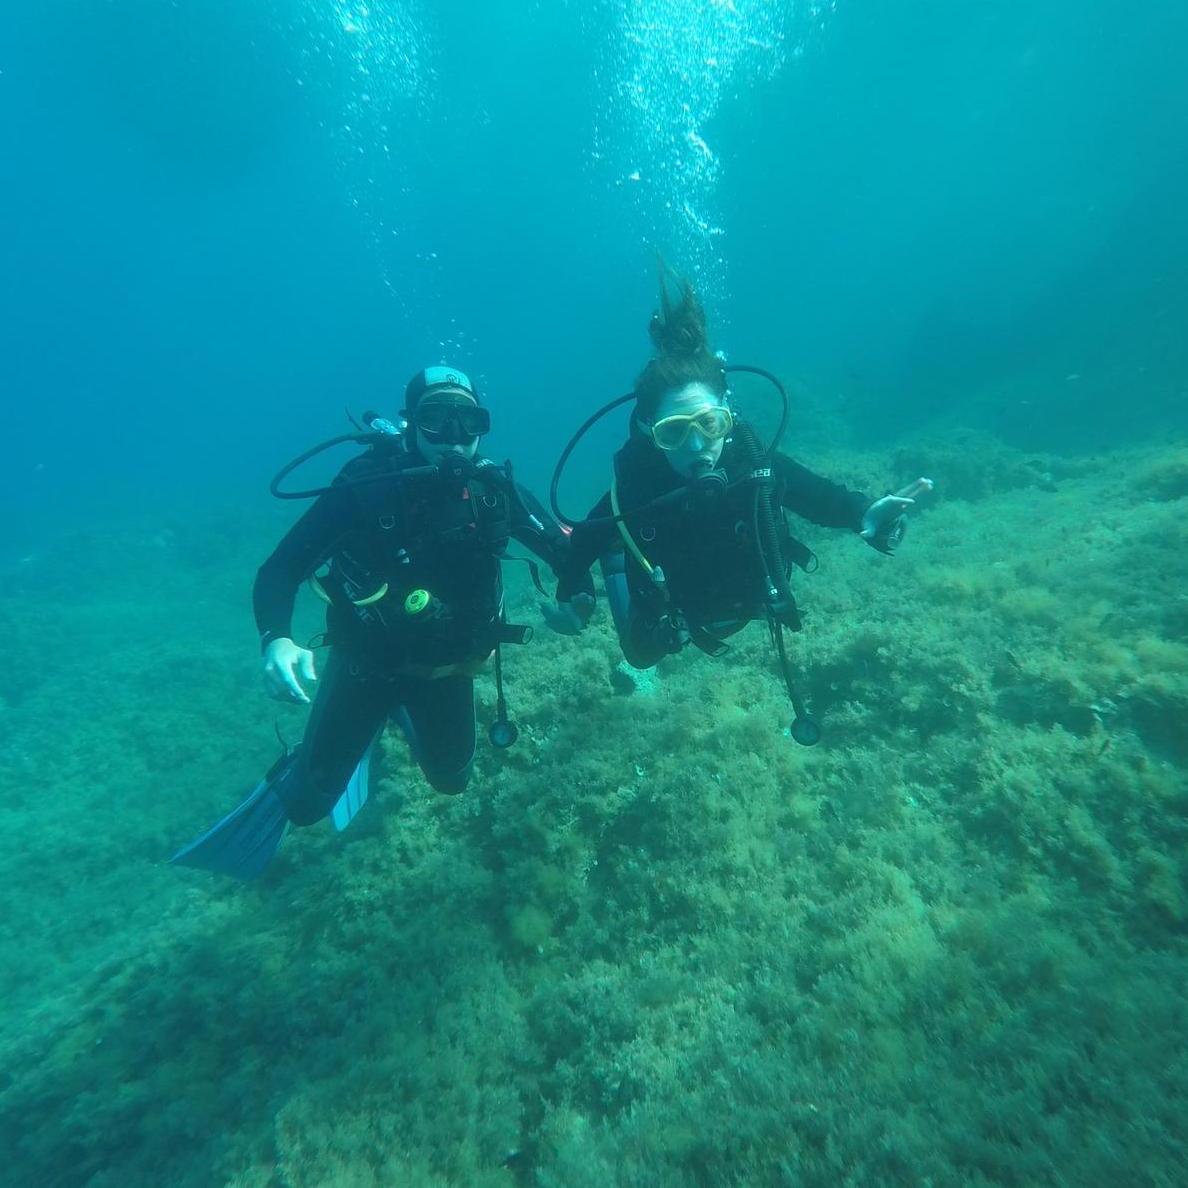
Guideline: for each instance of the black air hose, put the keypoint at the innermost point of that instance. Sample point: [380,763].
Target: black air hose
[765,525]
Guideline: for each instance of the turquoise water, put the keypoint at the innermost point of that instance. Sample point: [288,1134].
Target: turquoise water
[654,944]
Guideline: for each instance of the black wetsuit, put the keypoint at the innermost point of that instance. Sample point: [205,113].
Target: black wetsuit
[440,536]
[704,544]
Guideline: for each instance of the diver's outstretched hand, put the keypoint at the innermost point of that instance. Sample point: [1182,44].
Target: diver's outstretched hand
[569,618]
[286,665]
[883,523]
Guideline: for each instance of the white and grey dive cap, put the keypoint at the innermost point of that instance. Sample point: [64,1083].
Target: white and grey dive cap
[437,378]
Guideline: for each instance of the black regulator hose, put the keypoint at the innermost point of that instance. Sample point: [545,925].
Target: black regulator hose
[451,467]
[781,609]
[804,728]
[274,487]
[571,445]
[763,518]
[785,404]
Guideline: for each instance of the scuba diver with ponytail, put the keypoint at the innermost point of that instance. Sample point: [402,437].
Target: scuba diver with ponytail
[692,535]
[411,534]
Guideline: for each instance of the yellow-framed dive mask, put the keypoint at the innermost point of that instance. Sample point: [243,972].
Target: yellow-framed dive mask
[713,422]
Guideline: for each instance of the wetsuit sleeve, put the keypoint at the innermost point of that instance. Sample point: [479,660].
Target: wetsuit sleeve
[818,499]
[587,542]
[536,529]
[305,546]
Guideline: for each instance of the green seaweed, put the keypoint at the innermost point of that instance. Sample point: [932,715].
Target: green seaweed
[655,943]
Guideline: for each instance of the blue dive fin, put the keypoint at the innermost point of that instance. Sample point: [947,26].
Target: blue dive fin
[244,842]
[355,796]
[359,785]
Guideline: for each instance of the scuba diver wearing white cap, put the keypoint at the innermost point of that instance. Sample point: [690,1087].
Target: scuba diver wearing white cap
[405,547]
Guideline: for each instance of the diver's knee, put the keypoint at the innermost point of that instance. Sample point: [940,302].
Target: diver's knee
[449,783]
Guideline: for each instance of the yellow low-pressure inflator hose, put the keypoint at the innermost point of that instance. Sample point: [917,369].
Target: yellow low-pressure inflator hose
[628,539]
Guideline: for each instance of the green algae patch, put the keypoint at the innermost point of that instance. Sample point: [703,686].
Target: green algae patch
[655,944]
[1165,475]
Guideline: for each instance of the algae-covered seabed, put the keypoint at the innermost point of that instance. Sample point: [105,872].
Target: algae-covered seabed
[656,943]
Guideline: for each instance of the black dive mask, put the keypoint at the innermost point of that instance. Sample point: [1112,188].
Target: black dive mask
[451,423]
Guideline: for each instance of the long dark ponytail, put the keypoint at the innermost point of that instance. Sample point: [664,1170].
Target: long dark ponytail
[683,356]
